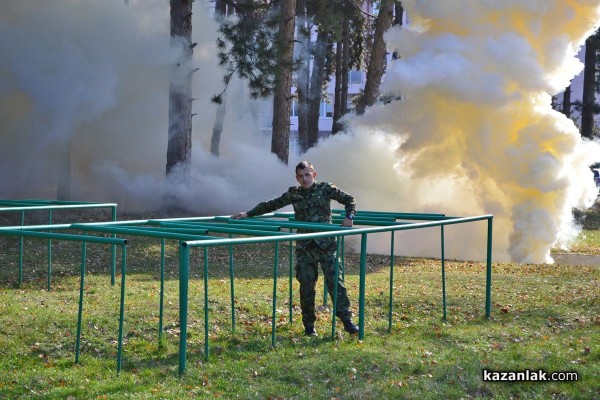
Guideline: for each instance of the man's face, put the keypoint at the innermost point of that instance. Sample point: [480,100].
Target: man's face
[306,177]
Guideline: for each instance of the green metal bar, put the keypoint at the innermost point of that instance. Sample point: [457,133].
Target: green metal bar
[122,306]
[286,224]
[340,232]
[206,303]
[361,286]
[443,273]
[113,250]
[335,289]
[56,207]
[162,293]
[324,293]
[372,222]
[21,239]
[343,258]
[80,311]
[61,236]
[291,280]
[222,229]
[141,232]
[171,229]
[395,215]
[184,276]
[390,313]
[488,275]
[275,273]
[212,225]
[49,253]
[232,286]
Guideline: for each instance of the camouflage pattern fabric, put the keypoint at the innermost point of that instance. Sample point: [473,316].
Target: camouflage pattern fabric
[314,205]
[310,205]
[307,260]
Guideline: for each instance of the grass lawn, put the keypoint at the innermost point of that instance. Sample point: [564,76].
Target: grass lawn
[543,317]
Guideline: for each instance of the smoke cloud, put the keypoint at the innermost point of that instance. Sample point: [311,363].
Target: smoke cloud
[472,134]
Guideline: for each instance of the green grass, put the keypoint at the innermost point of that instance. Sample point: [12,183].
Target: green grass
[543,317]
[587,243]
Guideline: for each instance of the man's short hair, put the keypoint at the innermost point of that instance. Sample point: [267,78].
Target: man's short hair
[304,165]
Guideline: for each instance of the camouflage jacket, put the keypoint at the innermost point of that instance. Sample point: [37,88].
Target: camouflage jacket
[310,205]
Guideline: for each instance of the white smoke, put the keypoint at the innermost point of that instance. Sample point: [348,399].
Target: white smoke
[476,79]
[474,133]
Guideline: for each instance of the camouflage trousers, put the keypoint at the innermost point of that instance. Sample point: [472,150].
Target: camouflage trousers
[307,260]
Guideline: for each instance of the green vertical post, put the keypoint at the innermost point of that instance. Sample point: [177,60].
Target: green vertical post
[206,303]
[80,312]
[335,288]
[161,301]
[184,275]
[21,251]
[391,281]
[324,292]
[488,285]
[122,306]
[113,250]
[232,285]
[275,273]
[343,259]
[361,287]
[443,274]
[291,281]
[49,252]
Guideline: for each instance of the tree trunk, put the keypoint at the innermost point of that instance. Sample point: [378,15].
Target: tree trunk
[398,11]
[589,81]
[377,61]
[345,62]
[215,140]
[337,105]
[302,56]
[316,81]
[280,143]
[566,105]
[179,147]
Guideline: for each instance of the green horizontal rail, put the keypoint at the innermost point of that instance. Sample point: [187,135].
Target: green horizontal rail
[141,232]
[338,232]
[237,231]
[57,207]
[209,224]
[287,224]
[396,215]
[62,236]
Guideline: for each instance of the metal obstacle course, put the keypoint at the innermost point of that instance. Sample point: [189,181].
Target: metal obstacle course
[274,228]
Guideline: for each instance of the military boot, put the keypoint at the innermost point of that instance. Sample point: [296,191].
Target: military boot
[349,326]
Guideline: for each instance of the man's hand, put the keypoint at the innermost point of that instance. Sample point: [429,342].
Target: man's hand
[240,215]
[347,222]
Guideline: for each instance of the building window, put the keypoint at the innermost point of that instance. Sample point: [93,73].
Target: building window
[265,115]
[326,109]
[355,77]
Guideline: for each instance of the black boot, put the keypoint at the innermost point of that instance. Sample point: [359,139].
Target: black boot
[309,330]
[350,327]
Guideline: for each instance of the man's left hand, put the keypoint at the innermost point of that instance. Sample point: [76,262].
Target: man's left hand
[347,222]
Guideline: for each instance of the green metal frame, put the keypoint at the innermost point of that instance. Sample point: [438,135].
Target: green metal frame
[192,233]
[433,220]
[22,206]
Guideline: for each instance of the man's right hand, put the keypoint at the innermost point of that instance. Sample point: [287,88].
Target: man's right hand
[240,215]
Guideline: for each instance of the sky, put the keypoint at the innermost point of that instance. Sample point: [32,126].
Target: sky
[473,133]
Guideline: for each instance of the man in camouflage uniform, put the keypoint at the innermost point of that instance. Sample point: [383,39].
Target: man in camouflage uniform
[312,203]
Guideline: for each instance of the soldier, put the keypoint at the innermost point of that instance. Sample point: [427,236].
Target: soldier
[312,203]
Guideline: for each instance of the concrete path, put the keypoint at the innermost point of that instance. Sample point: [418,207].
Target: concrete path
[576,259]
